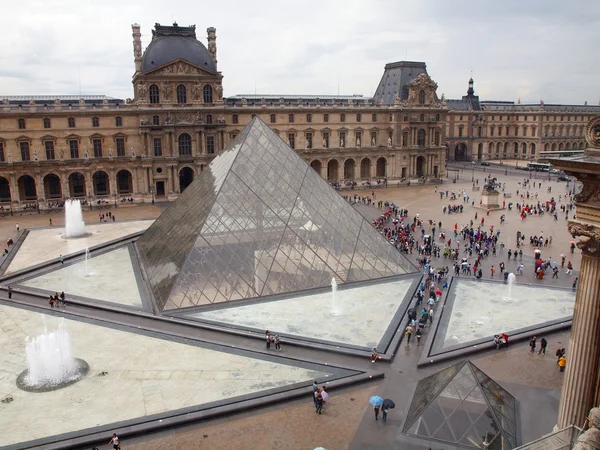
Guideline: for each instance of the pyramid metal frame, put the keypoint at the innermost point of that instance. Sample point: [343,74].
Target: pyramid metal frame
[259,221]
[458,384]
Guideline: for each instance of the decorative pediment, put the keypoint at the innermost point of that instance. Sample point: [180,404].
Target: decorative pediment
[180,67]
[96,136]
[48,137]
[72,137]
[423,81]
[23,138]
[119,135]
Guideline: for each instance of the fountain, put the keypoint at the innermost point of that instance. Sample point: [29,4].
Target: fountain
[334,287]
[50,362]
[74,225]
[510,280]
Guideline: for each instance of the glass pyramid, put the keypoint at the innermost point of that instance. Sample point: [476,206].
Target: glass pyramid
[463,406]
[259,221]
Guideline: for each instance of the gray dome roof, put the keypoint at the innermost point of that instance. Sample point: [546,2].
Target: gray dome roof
[166,49]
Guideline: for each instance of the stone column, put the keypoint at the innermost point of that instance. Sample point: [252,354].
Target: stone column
[579,389]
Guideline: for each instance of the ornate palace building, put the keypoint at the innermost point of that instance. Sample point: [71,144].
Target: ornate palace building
[102,148]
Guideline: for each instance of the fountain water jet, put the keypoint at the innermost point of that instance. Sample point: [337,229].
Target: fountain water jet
[510,280]
[50,362]
[74,225]
[334,287]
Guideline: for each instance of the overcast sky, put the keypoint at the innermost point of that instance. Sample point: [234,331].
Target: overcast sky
[527,49]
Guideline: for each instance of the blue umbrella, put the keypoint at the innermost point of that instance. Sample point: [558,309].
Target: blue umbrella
[376,400]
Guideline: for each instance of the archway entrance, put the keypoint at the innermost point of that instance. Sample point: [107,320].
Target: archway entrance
[27,190]
[101,186]
[421,171]
[52,187]
[380,170]
[186,176]
[332,170]
[124,182]
[4,190]
[365,168]
[460,152]
[479,152]
[76,185]
[316,165]
[349,169]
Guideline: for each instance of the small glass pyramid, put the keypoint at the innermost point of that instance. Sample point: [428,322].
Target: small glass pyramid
[259,221]
[463,406]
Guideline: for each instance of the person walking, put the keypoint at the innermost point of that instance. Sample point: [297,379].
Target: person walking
[492,271]
[62,259]
[319,402]
[50,221]
[569,268]
[115,441]
[562,363]
[543,345]
[376,410]
[409,333]
[10,291]
[315,391]
[532,344]
[418,334]
[62,299]
[18,228]
[277,343]
[431,315]
[268,337]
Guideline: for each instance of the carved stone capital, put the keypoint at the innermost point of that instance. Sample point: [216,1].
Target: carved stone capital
[590,193]
[589,237]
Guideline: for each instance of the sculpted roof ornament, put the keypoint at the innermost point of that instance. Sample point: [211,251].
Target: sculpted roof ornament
[175,30]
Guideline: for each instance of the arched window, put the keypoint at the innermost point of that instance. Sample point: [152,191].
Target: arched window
[95,122]
[71,122]
[273,118]
[181,94]
[209,119]
[185,144]
[421,97]
[118,121]
[46,123]
[208,93]
[154,96]
[421,138]
[155,120]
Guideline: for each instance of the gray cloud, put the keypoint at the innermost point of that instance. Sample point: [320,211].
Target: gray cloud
[532,50]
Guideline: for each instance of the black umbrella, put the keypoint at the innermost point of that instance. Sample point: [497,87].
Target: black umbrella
[388,404]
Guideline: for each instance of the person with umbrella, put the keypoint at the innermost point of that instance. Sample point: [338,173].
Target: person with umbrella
[387,404]
[376,401]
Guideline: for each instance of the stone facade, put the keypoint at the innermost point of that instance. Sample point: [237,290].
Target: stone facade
[479,131]
[154,144]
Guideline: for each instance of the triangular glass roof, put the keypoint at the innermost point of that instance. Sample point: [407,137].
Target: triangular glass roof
[259,221]
[461,405]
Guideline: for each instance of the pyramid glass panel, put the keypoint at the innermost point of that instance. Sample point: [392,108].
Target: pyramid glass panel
[487,411]
[259,221]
